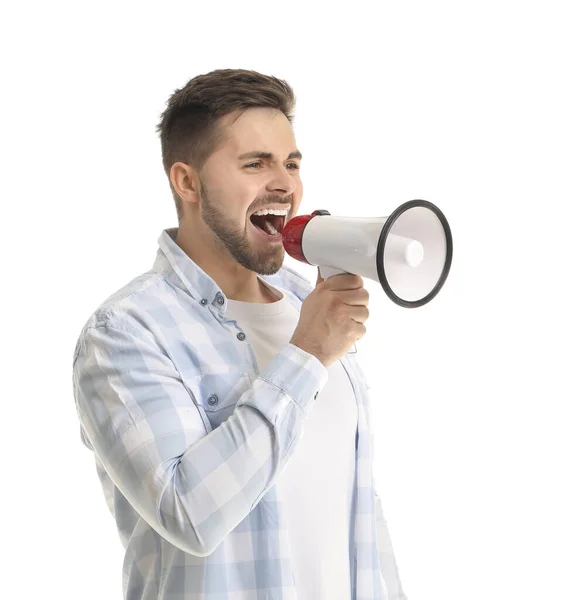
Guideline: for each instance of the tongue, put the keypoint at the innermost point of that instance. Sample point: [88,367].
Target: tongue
[263,222]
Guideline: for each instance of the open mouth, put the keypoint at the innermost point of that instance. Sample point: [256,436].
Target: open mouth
[271,225]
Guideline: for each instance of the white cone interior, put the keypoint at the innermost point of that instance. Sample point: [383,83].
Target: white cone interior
[413,283]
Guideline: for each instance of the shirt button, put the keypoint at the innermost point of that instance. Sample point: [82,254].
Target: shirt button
[314,397]
[204,302]
[220,299]
[213,399]
[241,336]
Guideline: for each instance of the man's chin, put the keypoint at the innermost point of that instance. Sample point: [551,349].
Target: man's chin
[270,268]
[270,265]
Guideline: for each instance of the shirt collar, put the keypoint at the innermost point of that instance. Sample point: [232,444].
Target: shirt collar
[181,271]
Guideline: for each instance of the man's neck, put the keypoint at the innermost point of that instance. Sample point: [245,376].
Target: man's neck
[254,291]
[268,295]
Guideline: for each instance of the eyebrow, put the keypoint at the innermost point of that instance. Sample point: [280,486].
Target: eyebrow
[268,155]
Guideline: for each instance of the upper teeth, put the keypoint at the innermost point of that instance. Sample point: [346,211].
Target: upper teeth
[272,211]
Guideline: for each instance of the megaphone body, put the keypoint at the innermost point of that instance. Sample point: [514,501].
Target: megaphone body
[409,253]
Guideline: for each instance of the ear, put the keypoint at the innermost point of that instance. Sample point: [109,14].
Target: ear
[185,182]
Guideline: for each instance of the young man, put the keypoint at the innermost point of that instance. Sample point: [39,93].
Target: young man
[229,423]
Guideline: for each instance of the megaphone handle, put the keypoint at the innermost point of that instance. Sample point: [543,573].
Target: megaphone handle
[329,271]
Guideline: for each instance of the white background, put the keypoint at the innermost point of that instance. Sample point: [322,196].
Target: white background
[476,396]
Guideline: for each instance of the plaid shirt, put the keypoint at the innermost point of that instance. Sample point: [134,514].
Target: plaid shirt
[158,372]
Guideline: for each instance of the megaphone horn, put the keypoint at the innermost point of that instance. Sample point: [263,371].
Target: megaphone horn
[409,253]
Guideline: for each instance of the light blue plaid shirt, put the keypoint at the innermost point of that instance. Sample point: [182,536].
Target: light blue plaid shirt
[189,439]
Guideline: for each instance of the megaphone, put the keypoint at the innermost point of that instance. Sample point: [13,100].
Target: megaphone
[409,253]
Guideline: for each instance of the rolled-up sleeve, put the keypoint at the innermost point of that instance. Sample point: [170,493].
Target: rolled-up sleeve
[190,485]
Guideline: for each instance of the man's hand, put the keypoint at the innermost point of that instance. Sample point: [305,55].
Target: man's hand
[332,317]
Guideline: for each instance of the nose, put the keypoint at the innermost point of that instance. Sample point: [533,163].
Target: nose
[282,181]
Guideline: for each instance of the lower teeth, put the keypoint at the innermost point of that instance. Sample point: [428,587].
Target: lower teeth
[270,229]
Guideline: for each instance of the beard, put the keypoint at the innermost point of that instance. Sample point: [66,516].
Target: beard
[264,259]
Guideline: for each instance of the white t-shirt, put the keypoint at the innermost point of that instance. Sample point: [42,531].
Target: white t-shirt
[317,486]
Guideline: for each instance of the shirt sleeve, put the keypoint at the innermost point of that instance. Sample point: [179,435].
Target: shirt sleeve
[192,486]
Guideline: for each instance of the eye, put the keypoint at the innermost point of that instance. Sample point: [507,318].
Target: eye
[295,165]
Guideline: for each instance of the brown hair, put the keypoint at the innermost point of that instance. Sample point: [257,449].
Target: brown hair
[189,128]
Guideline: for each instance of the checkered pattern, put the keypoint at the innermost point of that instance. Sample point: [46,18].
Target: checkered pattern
[189,438]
